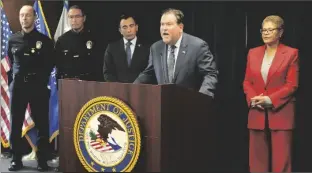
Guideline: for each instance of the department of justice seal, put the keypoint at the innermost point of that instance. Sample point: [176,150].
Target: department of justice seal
[107,136]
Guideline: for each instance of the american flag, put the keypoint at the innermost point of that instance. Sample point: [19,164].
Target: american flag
[5,94]
[5,67]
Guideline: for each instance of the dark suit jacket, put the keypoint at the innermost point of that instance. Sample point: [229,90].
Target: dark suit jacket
[281,84]
[115,68]
[195,66]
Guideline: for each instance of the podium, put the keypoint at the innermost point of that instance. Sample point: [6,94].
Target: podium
[178,125]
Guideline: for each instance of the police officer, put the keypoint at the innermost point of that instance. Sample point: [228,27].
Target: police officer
[31,54]
[77,56]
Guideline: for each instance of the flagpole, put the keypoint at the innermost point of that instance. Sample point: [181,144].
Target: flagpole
[63,26]
[55,143]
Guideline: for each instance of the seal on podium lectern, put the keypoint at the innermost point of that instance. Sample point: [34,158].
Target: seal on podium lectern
[107,136]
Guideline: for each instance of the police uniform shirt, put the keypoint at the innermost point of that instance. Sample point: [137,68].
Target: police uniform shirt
[31,53]
[75,53]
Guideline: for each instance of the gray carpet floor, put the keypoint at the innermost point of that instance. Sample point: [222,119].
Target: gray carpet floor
[29,165]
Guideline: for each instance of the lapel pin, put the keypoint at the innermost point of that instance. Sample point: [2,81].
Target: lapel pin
[183,52]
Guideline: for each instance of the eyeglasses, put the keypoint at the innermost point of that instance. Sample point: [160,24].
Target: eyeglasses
[74,16]
[269,31]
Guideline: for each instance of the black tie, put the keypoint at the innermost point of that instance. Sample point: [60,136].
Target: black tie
[128,51]
[171,62]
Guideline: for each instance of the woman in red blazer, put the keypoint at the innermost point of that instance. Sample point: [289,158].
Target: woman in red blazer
[271,80]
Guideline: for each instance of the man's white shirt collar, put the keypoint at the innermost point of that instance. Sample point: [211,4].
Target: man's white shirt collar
[133,41]
[178,43]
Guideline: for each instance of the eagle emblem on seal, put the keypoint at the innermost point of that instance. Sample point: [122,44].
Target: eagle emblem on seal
[102,140]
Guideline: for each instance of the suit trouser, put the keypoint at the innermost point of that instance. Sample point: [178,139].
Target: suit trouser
[259,151]
[36,94]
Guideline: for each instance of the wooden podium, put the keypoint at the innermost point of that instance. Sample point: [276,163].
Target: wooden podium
[178,125]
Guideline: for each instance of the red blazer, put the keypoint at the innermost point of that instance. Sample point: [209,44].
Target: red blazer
[282,82]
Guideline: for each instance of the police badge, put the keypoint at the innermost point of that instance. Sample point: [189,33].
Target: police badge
[38,44]
[89,44]
[13,50]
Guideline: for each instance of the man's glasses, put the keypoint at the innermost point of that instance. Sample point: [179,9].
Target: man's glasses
[74,17]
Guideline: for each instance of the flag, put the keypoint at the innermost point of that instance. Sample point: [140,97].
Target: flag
[41,23]
[62,27]
[5,67]
[5,117]
[42,27]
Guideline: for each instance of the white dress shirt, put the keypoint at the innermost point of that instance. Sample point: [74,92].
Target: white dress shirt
[176,52]
[265,67]
[132,46]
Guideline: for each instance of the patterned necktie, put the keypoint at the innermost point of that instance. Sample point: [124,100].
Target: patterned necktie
[128,51]
[170,63]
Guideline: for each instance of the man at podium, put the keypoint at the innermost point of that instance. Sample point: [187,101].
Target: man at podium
[180,58]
